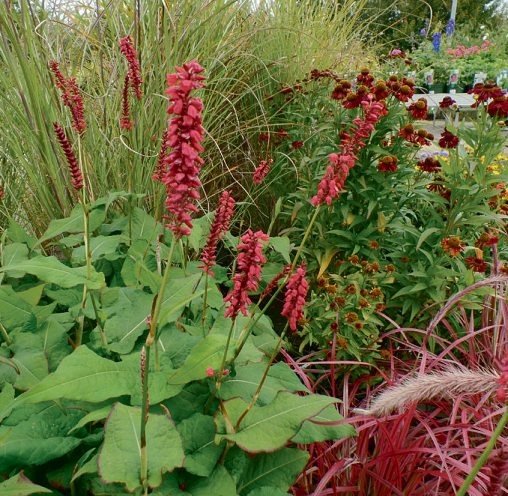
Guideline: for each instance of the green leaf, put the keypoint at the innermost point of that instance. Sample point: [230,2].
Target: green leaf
[310,432]
[99,246]
[268,428]
[220,483]
[14,253]
[94,416]
[18,235]
[15,311]
[268,491]
[50,269]
[120,456]
[140,266]
[281,244]
[32,295]
[20,485]
[126,319]
[32,365]
[425,234]
[143,226]
[201,453]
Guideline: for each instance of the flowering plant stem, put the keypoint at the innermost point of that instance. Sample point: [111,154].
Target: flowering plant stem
[485,455]
[145,366]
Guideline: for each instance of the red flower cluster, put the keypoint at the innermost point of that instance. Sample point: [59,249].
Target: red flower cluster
[261,171]
[77,177]
[248,273]
[419,109]
[185,134]
[134,71]
[446,102]
[453,245]
[429,164]
[71,97]
[296,294]
[448,140]
[498,107]
[477,264]
[485,91]
[220,226]
[126,122]
[418,137]
[403,90]
[341,90]
[486,239]
[336,173]
[388,164]
[365,77]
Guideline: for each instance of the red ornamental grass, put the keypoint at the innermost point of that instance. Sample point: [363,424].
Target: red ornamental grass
[185,134]
[261,171]
[125,121]
[220,226]
[296,294]
[134,71]
[77,177]
[71,97]
[246,279]
[448,140]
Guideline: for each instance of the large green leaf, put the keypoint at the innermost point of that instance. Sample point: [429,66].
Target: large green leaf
[312,432]
[15,311]
[268,428]
[99,246]
[20,485]
[220,483]
[201,453]
[14,253]
[120,460]
[126,318]
[140,266]
[50,269]
[18,235]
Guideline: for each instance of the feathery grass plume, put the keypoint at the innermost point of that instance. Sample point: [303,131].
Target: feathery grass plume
[126,122]
[446,384]
[77,177]
[248,273]
[296,294]
[71,97]
[185,134]
[220,226]
[134,71]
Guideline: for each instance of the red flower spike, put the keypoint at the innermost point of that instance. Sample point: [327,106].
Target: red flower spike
[71,97]
[274,282]
[220,226]
[77,177]
[134,72]
[160,168]
[296,294]
[185,134]
[250,259]
[261,171]
[453,245]
[125,121]
[448,140]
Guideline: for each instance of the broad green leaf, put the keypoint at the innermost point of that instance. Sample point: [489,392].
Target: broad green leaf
[74,223]
[143,226]
[66,297]
[179,292]
[201,453]
[206,354]
[53,335]
[90,467]
[425,234]
[126,319]
[281,244]
[140,266]
[14,253]
[120,460]
[50,269]
[32,295]
[310,432]
[94,416]
[277,470]
[268,491]
[99,246]
[20,485]
[268,428]
[197,237]
[247,378]
[15,311]
[32,365]
[18,235]
[38,439]
[220,483]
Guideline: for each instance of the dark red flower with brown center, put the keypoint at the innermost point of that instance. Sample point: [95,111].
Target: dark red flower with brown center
[486,239]
[365,77]
[404,91]
[453,245]
[296,144]
[419,109]
[477,264]
[485,91]
[446,102]
[448,140]
[430,164]
[341,90]
[498,107]
[388,164]
[380,90]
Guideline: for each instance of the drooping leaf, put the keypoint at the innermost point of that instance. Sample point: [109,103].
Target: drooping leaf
[268,428]
[32,365]
[120,456]
[312,432]
[20,485]
[201,453]
[50,269]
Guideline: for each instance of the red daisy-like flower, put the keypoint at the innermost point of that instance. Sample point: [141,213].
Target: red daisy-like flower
[365,77]
[430,164]
[446,102]
[388,164]
[448,140]
[485,91]
[477,264]
[380,90]
[341,90]
[419,109]
[498,107]
[453,245]
[486,239]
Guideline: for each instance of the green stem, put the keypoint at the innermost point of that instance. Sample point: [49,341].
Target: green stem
[485,455]
[5,335]
[205,299]
[88,258]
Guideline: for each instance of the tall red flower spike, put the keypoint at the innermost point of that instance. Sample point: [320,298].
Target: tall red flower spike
[77,177]
[71,97]
[261,171]
[220,226]
[134,71]
[126,121]
[296,294]
[248,266]
[185,134]
[160,168]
